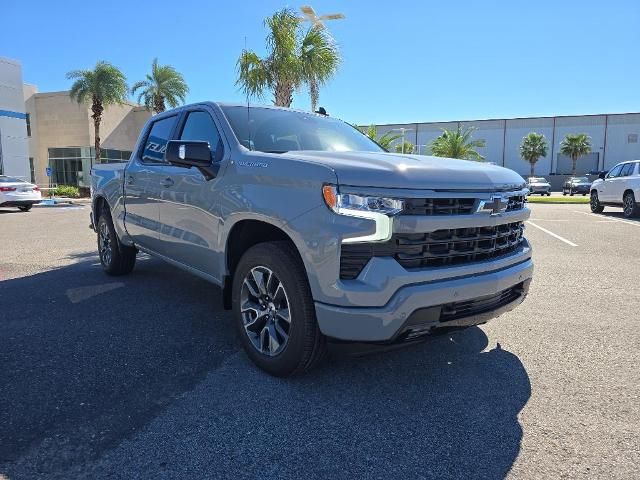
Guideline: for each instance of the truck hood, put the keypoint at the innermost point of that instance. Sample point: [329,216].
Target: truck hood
[389,170]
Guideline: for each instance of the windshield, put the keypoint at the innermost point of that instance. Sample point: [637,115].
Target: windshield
[580,180]
[278,131]
[5,179]
[537,180]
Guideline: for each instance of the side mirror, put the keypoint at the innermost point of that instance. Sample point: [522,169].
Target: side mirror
[601,175]
[191,153]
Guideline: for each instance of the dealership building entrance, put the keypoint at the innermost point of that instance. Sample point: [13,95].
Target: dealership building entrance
[72,165]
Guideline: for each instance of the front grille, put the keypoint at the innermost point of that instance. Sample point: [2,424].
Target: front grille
[436,249]
[452,206]
[438,206]
[516,202]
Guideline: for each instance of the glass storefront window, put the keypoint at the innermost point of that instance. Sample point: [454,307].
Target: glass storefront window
[71,165]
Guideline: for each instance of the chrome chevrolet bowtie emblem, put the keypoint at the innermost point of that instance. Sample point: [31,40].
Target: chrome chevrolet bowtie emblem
[182,152]
[496,205]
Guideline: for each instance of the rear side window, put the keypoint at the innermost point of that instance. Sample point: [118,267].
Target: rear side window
[200,126]
[156,142]
[627,170]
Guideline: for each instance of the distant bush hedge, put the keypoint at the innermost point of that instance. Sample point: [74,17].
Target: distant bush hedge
[68,191]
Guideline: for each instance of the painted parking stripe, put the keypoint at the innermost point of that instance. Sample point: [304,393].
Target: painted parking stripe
[611,219]
[555,235]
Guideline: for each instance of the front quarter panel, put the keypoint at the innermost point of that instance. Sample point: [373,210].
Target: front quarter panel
[276,190]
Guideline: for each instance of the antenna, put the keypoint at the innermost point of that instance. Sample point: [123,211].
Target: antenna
[248,109]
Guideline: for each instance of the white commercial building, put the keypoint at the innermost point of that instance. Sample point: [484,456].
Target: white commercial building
[14,147]
[615,138]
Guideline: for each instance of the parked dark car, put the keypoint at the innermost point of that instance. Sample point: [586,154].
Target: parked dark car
[575,185]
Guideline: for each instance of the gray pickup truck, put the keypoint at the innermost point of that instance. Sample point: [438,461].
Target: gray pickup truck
[313,231]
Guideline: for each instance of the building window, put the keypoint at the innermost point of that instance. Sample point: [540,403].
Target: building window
[28,125]
[71,165]
[632,138]
[32,170]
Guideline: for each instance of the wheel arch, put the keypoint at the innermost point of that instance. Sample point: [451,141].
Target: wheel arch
[243,235]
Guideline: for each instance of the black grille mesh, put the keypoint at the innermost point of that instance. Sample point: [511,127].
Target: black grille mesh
[452,206]
[436,249]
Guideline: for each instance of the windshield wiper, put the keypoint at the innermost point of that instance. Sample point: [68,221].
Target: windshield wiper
[276,151]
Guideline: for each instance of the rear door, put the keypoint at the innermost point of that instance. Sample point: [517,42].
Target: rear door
[143,184]
[618,185]
[189,212]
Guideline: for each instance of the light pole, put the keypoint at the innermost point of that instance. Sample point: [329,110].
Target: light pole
[402,130]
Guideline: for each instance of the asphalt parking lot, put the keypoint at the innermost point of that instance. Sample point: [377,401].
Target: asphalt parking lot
[141,376]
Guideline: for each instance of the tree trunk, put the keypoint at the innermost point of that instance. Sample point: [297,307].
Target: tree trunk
[158,103]
[283,93]
[533,167]
[573,165]
[97,110]
[314,93]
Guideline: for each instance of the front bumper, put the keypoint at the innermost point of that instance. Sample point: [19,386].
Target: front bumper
[393,320]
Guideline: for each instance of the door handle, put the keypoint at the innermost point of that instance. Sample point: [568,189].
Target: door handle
[167,182]
[130,180]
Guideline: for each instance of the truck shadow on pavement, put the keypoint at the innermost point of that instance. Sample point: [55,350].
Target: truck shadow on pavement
[142,375]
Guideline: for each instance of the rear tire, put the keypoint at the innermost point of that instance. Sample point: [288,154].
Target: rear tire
[25,208]
[596,206]
[270,279]
[116,258]
[629,206]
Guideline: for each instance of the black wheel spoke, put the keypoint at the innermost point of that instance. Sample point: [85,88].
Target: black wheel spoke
[264,307]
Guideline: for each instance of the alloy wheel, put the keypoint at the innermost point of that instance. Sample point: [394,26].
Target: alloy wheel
[629,204]
[264,307]
[104,244]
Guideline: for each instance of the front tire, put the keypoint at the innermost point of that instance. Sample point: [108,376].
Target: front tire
[596,206]
[116,258]
[25,208]
[629,206]
[274,313]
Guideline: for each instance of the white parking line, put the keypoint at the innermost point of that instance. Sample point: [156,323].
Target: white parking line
[611,219]
[555,235]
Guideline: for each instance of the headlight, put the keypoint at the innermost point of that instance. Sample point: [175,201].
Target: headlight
[339,202]
[378,209]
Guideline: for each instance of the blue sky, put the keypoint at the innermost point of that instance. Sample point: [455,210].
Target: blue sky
[403,61]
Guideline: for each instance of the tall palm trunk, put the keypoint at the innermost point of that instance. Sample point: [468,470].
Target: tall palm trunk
[97,109]
[573,165]
[158,103]
[283,93]
[314,93]
[533,166]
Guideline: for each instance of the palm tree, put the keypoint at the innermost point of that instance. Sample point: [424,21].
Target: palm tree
[575,146]
[534,146]
[407,147]
[383,140]
[295,58]
[164,84]
[457,144]
[103,86]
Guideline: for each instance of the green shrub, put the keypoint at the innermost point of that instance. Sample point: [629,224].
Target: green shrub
[68,191]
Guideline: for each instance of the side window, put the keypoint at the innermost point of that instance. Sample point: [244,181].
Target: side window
[627,170]
[156,142]
[200,126]
[615,171]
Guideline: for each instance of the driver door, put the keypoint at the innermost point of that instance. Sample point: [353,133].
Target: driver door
[607,191]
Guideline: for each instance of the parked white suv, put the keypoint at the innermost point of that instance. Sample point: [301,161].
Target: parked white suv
[620,188]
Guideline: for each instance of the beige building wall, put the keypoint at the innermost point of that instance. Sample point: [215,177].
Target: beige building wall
[57,121]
